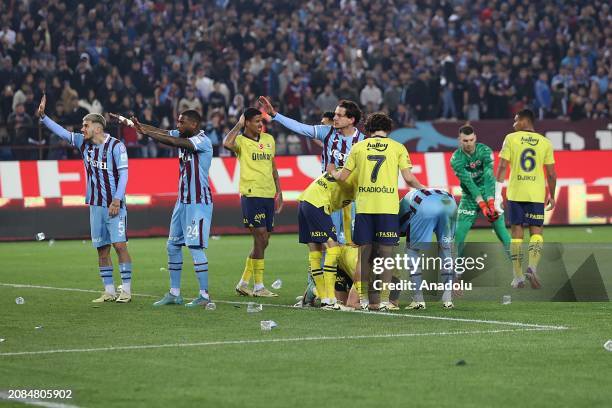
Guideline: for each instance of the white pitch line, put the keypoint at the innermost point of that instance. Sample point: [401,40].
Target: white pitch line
[413,316]
[29,401]
[261,341]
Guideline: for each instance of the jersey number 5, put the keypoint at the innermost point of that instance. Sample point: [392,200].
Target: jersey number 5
[379,159]
[528,160]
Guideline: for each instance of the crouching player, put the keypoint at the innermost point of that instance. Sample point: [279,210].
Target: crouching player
[422,213]
[316,229]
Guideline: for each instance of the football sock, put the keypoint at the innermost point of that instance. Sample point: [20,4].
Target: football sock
[535,250]
[175,267]
[416,277]
[330,269]
[314,260]
[447,276]
[126,276]
[247,273]
[516,249]
[359,288]
[200,266]
[106,273]
[258,273]
[499,227]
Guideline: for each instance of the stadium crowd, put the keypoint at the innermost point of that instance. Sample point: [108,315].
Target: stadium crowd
[416,60]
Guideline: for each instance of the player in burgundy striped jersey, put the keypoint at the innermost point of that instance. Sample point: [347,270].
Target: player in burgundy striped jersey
[190,224]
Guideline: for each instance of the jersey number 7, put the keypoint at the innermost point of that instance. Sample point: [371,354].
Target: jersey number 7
[379,159]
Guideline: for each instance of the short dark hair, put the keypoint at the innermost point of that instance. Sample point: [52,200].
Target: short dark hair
[526,114]
[466,130]
[352,110]
[250,113]
[329,115]
[378,121]
[192,115]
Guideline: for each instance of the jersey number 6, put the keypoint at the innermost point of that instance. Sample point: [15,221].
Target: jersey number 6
[379,159]
[528,160]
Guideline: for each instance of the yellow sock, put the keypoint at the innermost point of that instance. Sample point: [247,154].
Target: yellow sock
[330,268]
[536,242]
[516,251]
[258,272]
[248,271]
[314,261]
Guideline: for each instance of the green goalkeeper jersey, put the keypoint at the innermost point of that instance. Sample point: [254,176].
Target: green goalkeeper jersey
[475,172]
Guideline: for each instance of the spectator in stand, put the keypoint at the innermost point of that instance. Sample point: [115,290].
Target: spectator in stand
[371,95]
[158,51]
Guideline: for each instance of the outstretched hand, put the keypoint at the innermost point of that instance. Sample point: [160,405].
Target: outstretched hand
[121,119]
[136,125]
[266,105]
[41,107]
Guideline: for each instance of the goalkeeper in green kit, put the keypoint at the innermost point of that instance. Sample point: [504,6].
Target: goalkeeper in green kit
[473,166]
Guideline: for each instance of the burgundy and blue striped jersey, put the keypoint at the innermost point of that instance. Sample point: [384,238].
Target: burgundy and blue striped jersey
[336,146]
[194,187]
[102,163]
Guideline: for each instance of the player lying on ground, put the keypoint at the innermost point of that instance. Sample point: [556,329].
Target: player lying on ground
[259,189]
[532,167]
[376,163]
[106,169]
[192,214]
[423,213]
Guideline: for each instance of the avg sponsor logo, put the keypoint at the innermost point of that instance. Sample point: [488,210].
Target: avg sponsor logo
[378,146]
[531,141]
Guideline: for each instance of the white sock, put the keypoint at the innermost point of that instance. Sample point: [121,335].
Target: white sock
[259,286]
[204,294]
[243,283]
[110,289]
[175,291]
[325,301]
[127,287]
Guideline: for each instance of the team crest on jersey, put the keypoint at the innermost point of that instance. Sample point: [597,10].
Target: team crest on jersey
[121,147]
[475,164]
[531,141]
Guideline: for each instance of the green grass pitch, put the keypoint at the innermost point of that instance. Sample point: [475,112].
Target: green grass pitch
[135,355]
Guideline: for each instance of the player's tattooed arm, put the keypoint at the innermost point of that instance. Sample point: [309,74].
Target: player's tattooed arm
[229,141]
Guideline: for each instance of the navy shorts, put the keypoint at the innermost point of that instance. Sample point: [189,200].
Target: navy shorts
[314,224]
[523,212]
[257,212]
[380,228]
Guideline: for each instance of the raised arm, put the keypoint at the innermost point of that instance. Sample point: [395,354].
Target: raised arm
[51,125]
[291,124]
[160,135]
[229,142]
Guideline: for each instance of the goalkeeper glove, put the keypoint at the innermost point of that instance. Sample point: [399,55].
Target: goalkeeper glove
[484,208]
[493,214]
